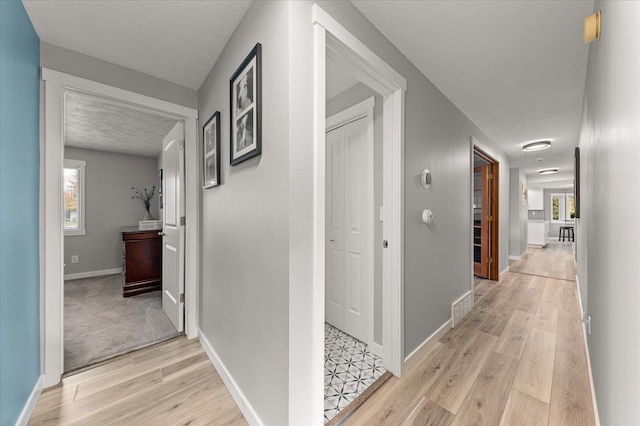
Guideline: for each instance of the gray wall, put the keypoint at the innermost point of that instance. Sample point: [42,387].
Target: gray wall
[108,180]
[437,136]
[610,209]
[338,103]
[244,311]
[553,227]
[517,214]
[74,63]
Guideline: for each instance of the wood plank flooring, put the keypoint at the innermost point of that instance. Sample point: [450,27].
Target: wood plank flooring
[517,359]
[167,384]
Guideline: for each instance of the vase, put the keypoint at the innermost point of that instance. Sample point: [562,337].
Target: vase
[147,216]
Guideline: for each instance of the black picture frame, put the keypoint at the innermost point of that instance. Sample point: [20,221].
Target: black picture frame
[245,102]
[211,152]
[576,182]
[160,172]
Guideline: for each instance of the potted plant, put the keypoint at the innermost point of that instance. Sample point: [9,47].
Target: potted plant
[145,196]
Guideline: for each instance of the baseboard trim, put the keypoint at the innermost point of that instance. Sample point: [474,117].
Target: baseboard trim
[586,348]
[511,257]
[238,396]
[412,359]
[92,274]
[25,415]
[376,349]
[503,273]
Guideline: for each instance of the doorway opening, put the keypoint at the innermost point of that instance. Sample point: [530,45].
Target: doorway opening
[113,267]
[56,85]
[485,215]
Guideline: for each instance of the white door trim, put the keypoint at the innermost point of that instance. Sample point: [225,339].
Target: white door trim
[51,236]
[333,40]
[364,110]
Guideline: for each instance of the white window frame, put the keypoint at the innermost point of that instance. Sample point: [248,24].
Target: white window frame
[80,166]
[564,208]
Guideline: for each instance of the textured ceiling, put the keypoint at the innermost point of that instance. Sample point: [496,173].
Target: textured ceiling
[178,41]
[516,68]
[95,123]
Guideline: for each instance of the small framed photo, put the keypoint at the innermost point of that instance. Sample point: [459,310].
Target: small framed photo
[211,151]
[246,108]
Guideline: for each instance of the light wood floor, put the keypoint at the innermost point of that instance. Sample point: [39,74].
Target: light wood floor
[517,359]
[167,384]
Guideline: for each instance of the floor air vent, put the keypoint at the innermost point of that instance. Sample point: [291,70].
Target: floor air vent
[460,308]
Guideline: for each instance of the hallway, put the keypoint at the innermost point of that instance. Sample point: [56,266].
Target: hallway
[518,357]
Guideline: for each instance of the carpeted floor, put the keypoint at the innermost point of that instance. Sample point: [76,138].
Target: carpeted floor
[99,323]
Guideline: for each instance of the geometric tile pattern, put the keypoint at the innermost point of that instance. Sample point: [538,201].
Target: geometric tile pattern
[349,368]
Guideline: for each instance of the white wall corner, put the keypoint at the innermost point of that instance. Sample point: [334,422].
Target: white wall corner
[25,415]
[418,353]
[238,396]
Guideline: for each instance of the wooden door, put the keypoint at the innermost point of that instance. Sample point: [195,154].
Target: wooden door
[481,220]
[173,228]
[347,260]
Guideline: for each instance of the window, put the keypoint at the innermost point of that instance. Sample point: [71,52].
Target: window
[563,207]
[74,197]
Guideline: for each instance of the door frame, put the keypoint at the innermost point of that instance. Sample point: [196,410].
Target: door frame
[333,40]
[51,236]
[494,203]
[364,110]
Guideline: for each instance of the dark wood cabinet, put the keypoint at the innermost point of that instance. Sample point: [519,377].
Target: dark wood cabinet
[142,261]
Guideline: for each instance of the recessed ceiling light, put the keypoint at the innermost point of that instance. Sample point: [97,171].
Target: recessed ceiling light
[548,171]
[537,146]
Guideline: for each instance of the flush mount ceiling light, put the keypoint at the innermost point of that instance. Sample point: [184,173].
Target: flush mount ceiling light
[548,171]
[537,146]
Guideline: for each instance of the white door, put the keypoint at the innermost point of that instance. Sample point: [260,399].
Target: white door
[347,257]
[173,230]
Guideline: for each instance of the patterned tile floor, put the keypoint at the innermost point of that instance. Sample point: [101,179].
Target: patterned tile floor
[349,368]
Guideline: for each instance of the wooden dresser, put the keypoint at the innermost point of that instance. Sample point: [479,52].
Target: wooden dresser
[142,261]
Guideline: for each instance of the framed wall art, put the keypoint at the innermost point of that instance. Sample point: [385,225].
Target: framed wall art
[246,108]
[211,152]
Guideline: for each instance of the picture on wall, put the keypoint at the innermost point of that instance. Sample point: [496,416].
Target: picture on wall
[246,111]
[211,151]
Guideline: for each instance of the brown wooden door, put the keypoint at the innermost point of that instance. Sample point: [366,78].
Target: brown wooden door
[481,220]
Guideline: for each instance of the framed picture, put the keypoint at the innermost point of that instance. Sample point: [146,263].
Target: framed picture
[160,187]
[211,151]
[246,108]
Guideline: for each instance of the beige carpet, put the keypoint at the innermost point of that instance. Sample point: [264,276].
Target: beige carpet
[100,324]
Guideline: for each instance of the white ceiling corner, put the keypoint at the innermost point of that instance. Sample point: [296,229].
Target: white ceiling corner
[92,122]
[516,68]
[177,41]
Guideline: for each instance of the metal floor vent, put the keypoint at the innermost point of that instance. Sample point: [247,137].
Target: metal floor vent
[461,307]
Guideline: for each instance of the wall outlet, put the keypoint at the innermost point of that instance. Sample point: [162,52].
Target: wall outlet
[75,259]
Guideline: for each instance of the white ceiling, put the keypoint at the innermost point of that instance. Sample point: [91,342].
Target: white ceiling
[178,41]
[515,68]
[94,123]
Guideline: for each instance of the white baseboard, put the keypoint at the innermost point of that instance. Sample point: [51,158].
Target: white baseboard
[376,349]
[238,396]
[586,348]
[503,273]
[25,415]
[412,359]
[511,257]
[91,274]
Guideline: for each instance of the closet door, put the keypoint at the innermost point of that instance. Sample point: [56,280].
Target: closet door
[346,260]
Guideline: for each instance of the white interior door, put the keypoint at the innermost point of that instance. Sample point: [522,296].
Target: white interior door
[173,229]
[347,259]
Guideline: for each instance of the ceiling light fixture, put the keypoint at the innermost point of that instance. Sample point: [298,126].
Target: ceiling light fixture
[548,171]
[537,146]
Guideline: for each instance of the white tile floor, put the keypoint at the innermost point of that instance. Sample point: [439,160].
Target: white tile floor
[349,368]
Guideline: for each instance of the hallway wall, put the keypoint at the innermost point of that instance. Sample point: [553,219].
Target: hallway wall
[518,215]
[19,210]
[244,304]
[610,208]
